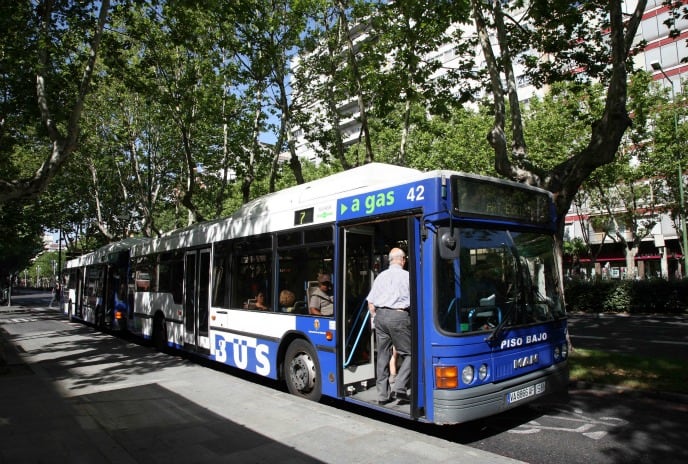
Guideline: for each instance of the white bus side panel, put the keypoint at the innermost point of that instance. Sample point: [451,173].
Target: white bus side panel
[146,304]
[248,340]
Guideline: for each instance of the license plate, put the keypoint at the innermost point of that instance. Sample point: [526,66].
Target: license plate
[527,392]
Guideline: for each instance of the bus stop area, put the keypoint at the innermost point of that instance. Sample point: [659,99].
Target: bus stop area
[68,394]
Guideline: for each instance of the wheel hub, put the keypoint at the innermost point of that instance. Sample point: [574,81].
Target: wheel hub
[302,372]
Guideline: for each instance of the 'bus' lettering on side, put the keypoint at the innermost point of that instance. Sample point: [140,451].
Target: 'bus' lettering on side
[240,353]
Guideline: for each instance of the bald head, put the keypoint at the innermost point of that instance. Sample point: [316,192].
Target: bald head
[397,256]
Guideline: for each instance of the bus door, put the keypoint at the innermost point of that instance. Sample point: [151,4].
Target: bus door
[365,255]
[358,343]
[76,300]
[196,292]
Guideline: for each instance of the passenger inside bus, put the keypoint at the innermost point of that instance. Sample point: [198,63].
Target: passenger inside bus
[320,302]
[258,302]
[287,301]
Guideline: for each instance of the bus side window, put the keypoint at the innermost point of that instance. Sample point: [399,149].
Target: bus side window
[302,256]
[251,270]
[221,278]
[293,268]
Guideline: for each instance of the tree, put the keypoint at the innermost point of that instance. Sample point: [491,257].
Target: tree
[20,229]
[322,81]
[270,33]
[448,142]
[409,32]
[55,45]
[554,39]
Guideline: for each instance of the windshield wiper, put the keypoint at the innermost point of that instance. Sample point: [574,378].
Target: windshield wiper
[496,332]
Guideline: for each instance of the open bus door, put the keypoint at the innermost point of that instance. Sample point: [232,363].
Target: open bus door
[196,299]
[365,251]
[358,342]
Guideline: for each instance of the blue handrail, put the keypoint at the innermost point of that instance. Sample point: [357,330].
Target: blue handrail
[359,334]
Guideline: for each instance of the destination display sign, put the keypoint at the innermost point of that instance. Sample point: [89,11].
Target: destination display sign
[304,216]
[383,201]
[320,213]
[476,197]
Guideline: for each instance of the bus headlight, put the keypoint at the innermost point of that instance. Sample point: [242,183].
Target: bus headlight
[446,376]
[482,372]
[467,374]
[557,353]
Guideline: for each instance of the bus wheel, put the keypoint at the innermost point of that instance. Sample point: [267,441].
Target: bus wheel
[159,333]
[302,371]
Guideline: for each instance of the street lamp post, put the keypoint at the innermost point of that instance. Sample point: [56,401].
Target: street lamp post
[682,219]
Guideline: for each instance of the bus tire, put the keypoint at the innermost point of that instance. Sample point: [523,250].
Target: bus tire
[302,370]
[159,333]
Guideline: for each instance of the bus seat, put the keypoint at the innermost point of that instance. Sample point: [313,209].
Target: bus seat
[300,308]
[312,286]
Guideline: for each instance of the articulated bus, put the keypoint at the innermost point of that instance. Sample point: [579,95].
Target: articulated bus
[488,320]
[97,289]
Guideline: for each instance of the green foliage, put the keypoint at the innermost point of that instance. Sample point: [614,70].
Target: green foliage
[575,247]
[46,56]
[180,87]
[21,234]
[450,142]
[44,270]
[556,125]
[629,296]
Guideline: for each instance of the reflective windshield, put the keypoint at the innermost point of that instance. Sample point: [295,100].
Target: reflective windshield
[500,276]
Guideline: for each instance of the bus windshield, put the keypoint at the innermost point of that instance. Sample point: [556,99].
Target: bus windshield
[500,278]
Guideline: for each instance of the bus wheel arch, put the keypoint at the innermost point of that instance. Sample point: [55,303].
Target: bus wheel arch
[301,370]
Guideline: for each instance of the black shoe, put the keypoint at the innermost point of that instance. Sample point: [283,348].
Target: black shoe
[383,402]
[401,397]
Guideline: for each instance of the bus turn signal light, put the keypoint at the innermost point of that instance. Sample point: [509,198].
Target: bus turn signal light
[446,376]
[119,315]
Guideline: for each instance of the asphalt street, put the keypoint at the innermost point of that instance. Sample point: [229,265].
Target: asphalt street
[646,335]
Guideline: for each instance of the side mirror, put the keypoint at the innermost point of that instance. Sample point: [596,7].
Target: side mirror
[448,242]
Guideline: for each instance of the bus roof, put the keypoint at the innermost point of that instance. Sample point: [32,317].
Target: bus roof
[101,254]
[275,211]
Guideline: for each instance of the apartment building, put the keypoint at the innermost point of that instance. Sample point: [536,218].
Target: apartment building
[660,253]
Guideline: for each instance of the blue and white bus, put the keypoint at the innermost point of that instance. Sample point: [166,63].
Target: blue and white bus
[96,287]
[489,325]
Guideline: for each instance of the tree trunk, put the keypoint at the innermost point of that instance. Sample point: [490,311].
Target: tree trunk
[63,145]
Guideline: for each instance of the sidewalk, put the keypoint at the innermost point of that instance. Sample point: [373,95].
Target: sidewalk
[71,397]
[37,425]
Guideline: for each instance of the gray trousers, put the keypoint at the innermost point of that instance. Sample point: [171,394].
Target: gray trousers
[392,327]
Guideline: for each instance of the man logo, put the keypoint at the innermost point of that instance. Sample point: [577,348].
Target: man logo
[526,361]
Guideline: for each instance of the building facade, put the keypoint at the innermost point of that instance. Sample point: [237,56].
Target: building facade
[659,253]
